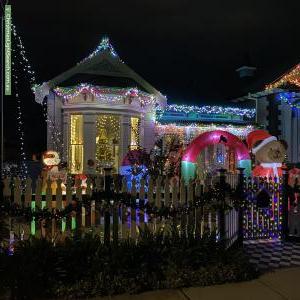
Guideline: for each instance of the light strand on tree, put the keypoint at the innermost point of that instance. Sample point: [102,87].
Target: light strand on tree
[56,135]
[23,165]
[24,61]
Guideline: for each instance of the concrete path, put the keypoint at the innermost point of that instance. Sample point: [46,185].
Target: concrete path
[281,284]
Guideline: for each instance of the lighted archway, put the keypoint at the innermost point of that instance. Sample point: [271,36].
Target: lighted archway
[189,159]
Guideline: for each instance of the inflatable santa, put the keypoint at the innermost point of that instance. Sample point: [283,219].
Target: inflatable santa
[269,153]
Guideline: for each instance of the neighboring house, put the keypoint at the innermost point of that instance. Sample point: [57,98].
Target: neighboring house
[278,110]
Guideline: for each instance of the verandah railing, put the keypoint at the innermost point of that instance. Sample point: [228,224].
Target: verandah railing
[108,208]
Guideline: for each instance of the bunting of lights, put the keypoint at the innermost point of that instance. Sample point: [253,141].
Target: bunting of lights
[245,112]
[292,77]
[105,94]
[103,46]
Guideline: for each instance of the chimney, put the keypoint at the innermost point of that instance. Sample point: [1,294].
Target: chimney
[246,70]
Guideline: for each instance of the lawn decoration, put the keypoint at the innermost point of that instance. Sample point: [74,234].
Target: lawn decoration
[51,170]
[189,159]
[134,166]
[269,153]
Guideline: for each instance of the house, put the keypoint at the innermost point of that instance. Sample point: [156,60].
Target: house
[100,109]
[278,109]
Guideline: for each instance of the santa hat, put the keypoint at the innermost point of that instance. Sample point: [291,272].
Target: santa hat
[259,136]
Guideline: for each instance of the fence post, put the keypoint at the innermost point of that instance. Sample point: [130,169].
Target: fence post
[107,190]
[142,203]
[133,210]
[6,188]
[240,208]
[222,207]
[285,199]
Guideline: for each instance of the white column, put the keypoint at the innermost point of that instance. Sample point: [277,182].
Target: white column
[54,124]
[125,136]
[66,136]
[89,138]
[50,114]
[142,131]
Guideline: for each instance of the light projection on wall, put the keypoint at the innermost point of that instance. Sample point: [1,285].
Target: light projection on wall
[76,144]
[107,141]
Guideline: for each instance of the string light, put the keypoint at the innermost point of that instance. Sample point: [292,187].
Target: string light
[290,98]
[103,46]
[195,129]
[56,135]
[263,222]
[291,77]
[24,61]
[245,112]
[106,94]
[23,165]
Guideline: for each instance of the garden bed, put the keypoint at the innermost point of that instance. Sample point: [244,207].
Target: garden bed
[85,267]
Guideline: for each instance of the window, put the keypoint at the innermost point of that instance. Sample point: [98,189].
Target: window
[107,141]
[134,133]
[76,144]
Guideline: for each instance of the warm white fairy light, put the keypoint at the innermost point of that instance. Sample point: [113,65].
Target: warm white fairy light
[291,77]
[56,135]
[196,129]
[24,61]
[23,165]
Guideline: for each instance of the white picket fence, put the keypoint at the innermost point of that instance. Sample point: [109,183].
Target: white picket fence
[116,218]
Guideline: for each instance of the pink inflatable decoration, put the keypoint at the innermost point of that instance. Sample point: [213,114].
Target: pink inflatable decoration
[215,137]
[189,159]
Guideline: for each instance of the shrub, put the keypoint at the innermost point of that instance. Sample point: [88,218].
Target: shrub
[87,267]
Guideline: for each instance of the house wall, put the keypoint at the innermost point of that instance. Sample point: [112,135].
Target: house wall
[60,114]
[282,121]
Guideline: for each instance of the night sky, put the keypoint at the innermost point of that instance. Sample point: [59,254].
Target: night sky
[188,50]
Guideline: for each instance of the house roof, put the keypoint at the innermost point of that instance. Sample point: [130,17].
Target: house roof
[261,83]
[289,78]
[102,67]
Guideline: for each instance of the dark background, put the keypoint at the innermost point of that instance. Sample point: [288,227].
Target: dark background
[188,50]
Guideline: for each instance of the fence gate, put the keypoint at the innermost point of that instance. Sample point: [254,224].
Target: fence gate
[262,218]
